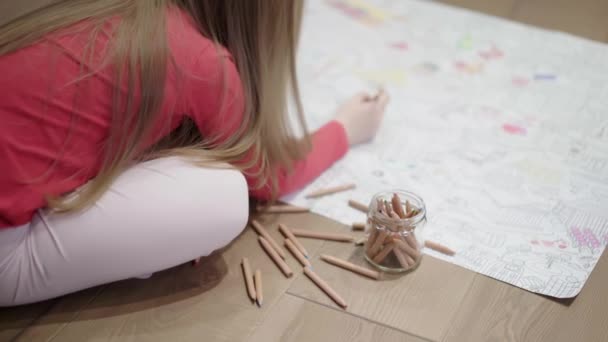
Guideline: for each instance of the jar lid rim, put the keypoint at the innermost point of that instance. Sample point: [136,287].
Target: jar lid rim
[410,220]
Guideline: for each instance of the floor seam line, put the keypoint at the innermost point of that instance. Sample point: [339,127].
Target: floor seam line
[359,316]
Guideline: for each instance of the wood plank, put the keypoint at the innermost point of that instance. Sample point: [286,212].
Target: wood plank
[586,18]
[14,320]
[499,8]
[183,303]
[495,311]
[420,303]
[295,319]
[64,310]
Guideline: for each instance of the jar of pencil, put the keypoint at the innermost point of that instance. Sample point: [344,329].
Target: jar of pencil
[395,223]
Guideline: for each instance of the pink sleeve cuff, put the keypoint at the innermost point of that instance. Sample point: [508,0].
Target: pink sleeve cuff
[334,135]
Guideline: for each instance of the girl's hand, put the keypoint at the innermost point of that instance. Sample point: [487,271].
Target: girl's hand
[361,116]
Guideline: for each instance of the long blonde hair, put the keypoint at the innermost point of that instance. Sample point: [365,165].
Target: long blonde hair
[260,34]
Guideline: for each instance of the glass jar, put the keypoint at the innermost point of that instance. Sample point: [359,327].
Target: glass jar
[395,224]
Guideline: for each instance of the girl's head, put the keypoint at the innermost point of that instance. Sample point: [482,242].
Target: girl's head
[262,37]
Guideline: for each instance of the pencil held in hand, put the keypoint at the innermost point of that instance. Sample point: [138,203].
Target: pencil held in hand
[330,191]
[376,96]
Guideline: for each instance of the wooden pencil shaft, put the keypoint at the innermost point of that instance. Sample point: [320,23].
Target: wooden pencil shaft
[405,247]
[350,266]
[331,190]
[259,291]
[389,210]
[384,252]
[411,261]
[275,257]
[325,287]
[248,278]
[322,235]
[410,238]
[397,206]
[283,209]
[257,226]
[288,234]
[377,245]
[401,258]
[380,205]
[373,235]
[410,211]
[296,252]
[439,247]
[358,205]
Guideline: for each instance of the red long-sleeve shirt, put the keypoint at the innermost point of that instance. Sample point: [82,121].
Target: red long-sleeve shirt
[52,128]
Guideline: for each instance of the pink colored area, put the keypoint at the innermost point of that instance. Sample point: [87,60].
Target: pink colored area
[468,68]
[561,244]
[514,129]
[593,241]
[399,46]
[585,238]
[460,65]
[354,12]
[520,81]
[493,53]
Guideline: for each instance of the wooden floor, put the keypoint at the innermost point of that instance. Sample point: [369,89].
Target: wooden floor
[437,302]
[585,18]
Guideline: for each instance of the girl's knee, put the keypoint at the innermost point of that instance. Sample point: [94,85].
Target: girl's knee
[240,205]
[229,209]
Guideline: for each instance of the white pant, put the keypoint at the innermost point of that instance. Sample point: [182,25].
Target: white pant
[156,215]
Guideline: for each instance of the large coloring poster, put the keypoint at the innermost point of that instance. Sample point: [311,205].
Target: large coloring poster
[500,127]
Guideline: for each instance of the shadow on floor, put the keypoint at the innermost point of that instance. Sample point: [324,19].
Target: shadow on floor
[163,288]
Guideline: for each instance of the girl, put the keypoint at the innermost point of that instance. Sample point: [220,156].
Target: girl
[132,133]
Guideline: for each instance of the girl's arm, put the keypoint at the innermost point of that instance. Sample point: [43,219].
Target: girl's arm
[357,121]
[329,144]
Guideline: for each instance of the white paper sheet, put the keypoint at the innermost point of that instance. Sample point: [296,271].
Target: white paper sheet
[500,127]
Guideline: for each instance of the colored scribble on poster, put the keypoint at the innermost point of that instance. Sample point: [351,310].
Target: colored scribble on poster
[514,129]
[360,11]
